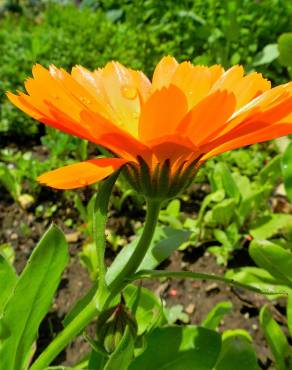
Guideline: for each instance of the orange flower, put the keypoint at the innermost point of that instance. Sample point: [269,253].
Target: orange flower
[160,131]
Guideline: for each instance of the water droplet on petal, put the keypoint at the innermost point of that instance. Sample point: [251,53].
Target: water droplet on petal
[129,92]
[85,100]
[83,181]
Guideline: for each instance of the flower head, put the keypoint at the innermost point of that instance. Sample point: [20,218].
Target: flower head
[159,130]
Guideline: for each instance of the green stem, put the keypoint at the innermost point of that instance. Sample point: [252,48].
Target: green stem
[65,337]
[156,274]
[153,208]
[100,214]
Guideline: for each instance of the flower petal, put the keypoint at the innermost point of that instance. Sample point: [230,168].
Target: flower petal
[162,113]
[194,81]
[207,117]
[163,73]
[81,174]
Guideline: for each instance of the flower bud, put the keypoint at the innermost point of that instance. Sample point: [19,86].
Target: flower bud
[111,326]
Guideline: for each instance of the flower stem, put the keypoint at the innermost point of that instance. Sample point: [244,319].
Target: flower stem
[153,208]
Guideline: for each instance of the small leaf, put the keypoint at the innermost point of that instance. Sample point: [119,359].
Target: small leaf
[268,226]
[276,260]
[147,307]
[258,278]
[276,340]
[213,318]
[267,55]
[177,348]
[285,46]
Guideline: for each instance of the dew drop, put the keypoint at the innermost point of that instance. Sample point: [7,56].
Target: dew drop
[83,182]
[85,100]
[129,92]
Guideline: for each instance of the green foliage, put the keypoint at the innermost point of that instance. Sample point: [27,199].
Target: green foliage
[30,300]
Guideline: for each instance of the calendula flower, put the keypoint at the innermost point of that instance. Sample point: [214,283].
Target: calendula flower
[160,131]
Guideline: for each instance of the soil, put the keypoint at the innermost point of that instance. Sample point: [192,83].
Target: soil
[22,229]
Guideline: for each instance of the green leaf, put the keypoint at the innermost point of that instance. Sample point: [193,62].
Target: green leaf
[276,260]
[165,241]
[287,169]
[147,307]
[228,182]
[267,55]
[285,46]
[9,181]
[258,278]
[124,353]
[213,318]
[177,348]
[237,352]
[175,313]
[32,298]
[271,172]
[268,226]
[276,340]
[223,212]
[8,280]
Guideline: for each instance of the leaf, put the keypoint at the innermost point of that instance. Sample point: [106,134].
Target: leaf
[287,170]
[147,307]
[276,260]
[271,172]
[175,313]
[223,212]
[268,226]
[269,53]
[165,241]
[228,182]
[285,46]
[177,348]
[124,353]
[258,278]
[276,340]
[32,298]
[213,318]
[9,181]
[237,349]
[8,280]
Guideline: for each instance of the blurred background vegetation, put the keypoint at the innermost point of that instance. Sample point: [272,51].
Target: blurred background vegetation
[137,33]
